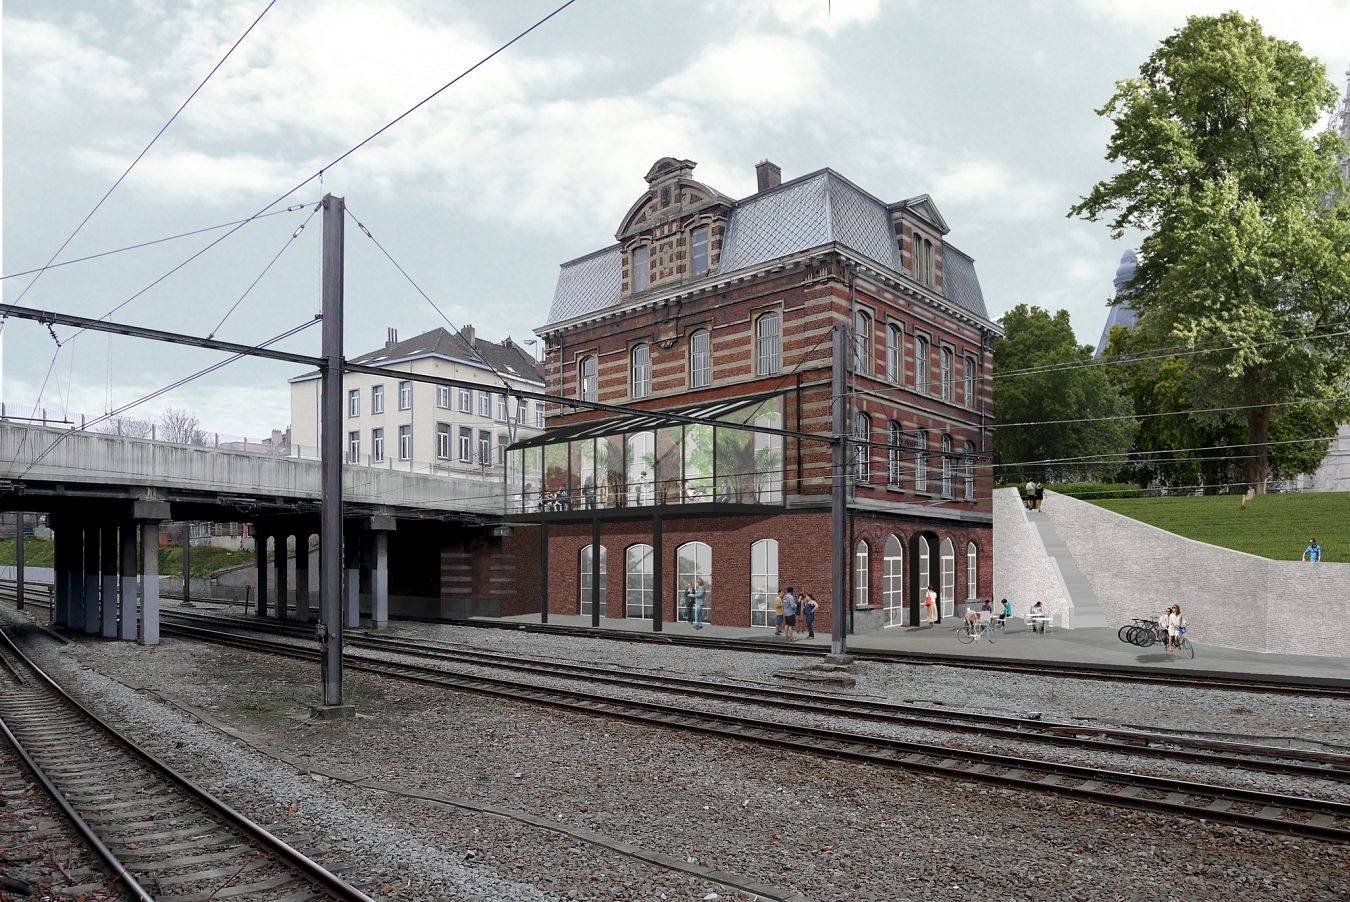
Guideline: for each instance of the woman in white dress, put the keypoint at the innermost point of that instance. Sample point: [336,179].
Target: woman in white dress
[930,605]
[1175,622]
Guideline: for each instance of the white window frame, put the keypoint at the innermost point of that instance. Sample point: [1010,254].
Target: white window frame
[946,372]
[353,402]
[503,409]
[539,414]
[763,581]
[405,395]
[443,397]
[640,370]
[466,400]
[584,580]
[972,571]
[443,441]
[700,361]
[968,468]
[861,567]
[921,463]
[862,454]
[968,382]
[639,268]
[638,581]
[405,442]
[484,447]
[588,378]
[485,404]
[465,444]
[893,583]
[769,343]
[354,446]
[894,461]
[700,237]
[377,445]
[925,564]
[377,398]
[948,474]
[895,353]
[690,560]
[947,579]
[921,363]
[862,343]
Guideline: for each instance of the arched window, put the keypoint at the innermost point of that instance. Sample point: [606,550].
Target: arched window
[968,396]
[860,587]
[693,564]
[947,590]
[584,580]
[862,453]
[862,343]
[637,581]
[641,461]
[920,363]
[895,342]
[925,564]
[947,466]
[586,378]
[921,463]
[639,263]
[642,371]
[768,344]
[968,470]
[946,374]
[763,581]
[700,359]
[972,571]
[894,464]
[893,582]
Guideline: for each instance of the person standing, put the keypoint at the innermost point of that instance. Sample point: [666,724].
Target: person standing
[689,601]
[930,605]
[778,614]
[700,599]
[1313,553]
[1031,495]
[789,612]
[809,605]
[1040,495]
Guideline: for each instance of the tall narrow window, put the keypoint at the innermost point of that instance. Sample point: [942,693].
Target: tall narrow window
[642,370]
[539,415]
[947,464]
[860,568]
[862,343]
[862,452]
[947,590]
[465,444]
[639,261]
[893,582]
[763,581]
[925,565]
[894,464]
[920,363]
[693,564]
[465,400]
[945,373]
[972,572]
[698,250]
[353,447]
[700,359]
[968,469]
[442,397]
[585,576]
[377,399]
[586,378]
[354,402]
[502,408]
[768,344]
[484,448]
[921,463]
[443,441]
[405,450]
[377,446]
[895,341]
[968,392]
[405,395]
[917,257]
[637,581]
[485,403]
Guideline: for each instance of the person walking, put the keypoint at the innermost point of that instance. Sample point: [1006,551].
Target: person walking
[930,605]
[1313,553]
[789,612]
[1040,495]
[1031,495]
[809,605]
[689,601]
[778,614]
[700,599]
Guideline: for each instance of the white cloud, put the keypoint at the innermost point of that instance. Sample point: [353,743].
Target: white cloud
[48,63]
[997,190]
[755,75]
[803,16]
[193,176]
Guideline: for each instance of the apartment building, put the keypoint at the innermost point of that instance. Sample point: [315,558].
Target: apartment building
[423,427]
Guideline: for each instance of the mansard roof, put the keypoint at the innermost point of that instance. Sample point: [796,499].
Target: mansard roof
[815,210]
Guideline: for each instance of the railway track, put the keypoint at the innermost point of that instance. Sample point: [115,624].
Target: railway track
[158,834]
[1278,813]
[1309,686]
[1094,737]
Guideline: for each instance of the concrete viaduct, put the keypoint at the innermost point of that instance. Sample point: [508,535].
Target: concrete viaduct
[103,492]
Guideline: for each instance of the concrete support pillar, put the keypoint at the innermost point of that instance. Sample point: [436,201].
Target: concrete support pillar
[91,581]
[19,587]
[379,609]
[149,626]
[187,565]
[61,575]
[260,561]
[302,611]
[366,554]
[75,567]
[280,566]
[107,590]
[351,608]
[126,620]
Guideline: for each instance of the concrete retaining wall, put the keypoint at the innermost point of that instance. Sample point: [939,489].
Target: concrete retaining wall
[1229,598]
[1023,572]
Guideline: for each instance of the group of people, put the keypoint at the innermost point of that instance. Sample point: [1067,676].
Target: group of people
[695,599]
[1173,626]
[1005,610]
[793,615]
[1035,495]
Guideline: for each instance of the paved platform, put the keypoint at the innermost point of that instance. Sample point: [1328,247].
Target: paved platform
[1094,645]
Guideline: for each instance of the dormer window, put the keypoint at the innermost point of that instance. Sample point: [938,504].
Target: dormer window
[639,265]
[586,379]
[698,252]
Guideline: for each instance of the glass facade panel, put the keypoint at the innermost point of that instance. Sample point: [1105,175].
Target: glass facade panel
[555,478]
[670,465]
[893,583]
[609,454]
[638,581]
[584,580]
[534,479]
[641,462]
[698,463]
[947,591]
[763,581]
[583,481]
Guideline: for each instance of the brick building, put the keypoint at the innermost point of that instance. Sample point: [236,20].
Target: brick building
[721,309]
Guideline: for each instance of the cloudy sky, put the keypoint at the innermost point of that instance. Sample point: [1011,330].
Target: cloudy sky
[532,160]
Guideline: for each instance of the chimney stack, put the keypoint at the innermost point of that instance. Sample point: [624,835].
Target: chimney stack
[768,175]
[467,332]
[392,338]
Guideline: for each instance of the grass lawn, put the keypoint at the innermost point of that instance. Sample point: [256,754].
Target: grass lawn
[205,560]
[1273,526]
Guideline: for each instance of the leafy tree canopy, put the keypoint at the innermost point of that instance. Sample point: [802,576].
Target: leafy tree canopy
[1247,250]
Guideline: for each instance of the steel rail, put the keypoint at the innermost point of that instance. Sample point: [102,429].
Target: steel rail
[1273,812]
[1223,753]
[306,868]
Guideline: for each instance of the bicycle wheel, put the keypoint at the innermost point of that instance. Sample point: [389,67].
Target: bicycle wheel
[964,635]
[1187,648]
[1144,636]
[1124,632]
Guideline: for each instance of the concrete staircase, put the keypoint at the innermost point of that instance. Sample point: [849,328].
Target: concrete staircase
[1086,610]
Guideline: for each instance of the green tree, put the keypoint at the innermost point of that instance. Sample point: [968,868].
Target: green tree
[1039,383]
[1243,247]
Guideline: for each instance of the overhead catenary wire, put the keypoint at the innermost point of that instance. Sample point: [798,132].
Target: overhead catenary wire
[277,256]
[1172,413]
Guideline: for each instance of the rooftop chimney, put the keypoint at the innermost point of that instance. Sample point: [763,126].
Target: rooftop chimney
[467,332]
[769,175]
[392,338]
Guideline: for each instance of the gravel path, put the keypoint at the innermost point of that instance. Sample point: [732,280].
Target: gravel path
[827,829]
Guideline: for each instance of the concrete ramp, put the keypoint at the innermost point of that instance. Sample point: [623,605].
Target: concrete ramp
[1083,600]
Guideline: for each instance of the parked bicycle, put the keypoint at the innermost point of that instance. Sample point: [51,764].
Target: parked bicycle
[972,630]
[1147,631]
